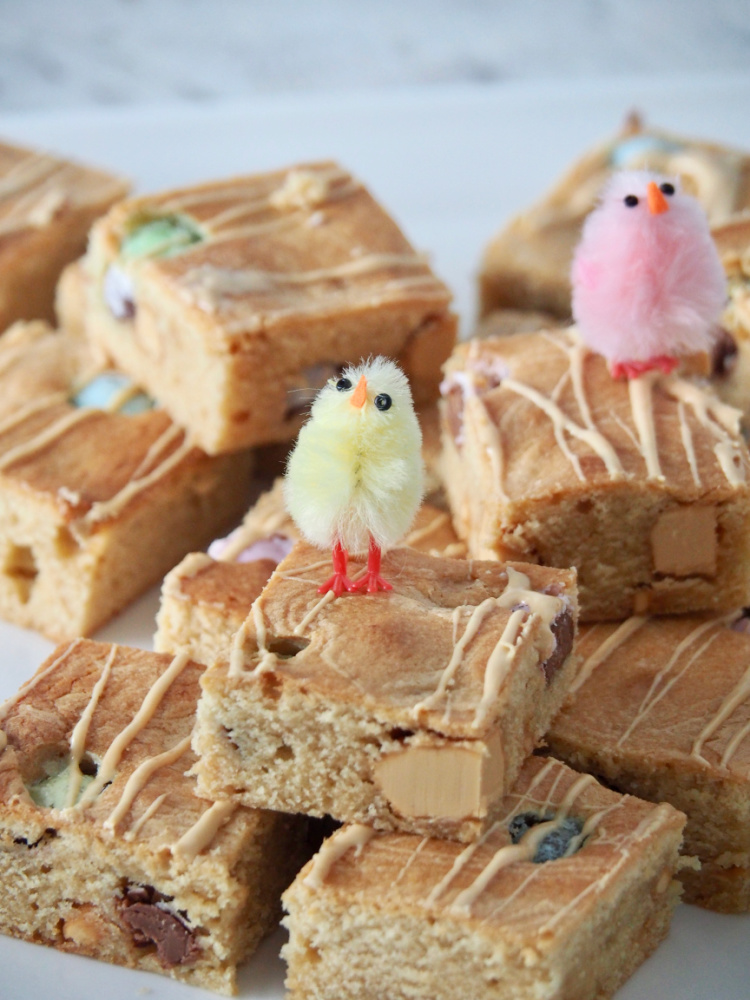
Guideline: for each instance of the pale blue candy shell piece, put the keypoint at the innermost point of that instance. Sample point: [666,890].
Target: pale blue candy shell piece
[638,146]
[101,390]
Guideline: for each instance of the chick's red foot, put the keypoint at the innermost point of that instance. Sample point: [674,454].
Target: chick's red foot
[372,581]
[339,582]
[632,369]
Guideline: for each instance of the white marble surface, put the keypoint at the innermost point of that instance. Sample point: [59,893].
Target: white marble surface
[85,53]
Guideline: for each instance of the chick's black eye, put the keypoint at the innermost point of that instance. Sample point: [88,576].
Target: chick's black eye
[630,200]
[343,384]
[383,401]
[666,188]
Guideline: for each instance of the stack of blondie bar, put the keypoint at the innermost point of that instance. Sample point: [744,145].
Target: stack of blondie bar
[512,741]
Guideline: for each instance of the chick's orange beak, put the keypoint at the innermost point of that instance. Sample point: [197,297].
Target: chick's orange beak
[359,397]
[657,203]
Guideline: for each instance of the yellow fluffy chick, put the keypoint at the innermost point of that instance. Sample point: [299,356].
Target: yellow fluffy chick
[354,479]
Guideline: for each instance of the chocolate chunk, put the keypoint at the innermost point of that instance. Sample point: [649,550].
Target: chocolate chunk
[723,353]
[150,924]
[563,629]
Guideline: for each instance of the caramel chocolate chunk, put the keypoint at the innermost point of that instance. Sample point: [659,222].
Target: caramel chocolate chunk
[448,781]
[683,542]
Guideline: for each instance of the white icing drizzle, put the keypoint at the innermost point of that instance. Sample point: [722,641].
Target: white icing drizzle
[246,534]
[642,408]
[687,443]
[357,836]
[36,679]
[201,834]
[654,695]
[475,411]
[620,636]
[592,437]
[80,732]
[51,433]
[120,743]
[138,825]
[140,778]
[410,860]
[736,697]
[38,183]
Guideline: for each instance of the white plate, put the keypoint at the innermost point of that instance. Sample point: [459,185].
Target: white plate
[452,165]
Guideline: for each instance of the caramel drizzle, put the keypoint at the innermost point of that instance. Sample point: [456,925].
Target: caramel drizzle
[140,778]
[138,825]
[217,282]
[154,696]
[686,436]
[516,592]
[201,834]
[104,509]
[313,612]
[267,659]
[643,829]
[36,679]
[468,853]
[357,836]
[593,438]
[29,181]
[654,695]
[524,850]
[29,409]
[246,534]
[733,700]
[80,732]
[619,637]
[47,436]
[489,438]
[642,408]
[592,823]
[202,199]
[720,420]
[419,534]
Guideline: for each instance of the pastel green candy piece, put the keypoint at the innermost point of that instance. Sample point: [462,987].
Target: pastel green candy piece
[162,237]
[52,792]
[638,146]
[103,389]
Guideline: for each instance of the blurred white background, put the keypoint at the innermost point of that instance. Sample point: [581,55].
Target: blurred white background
[84,53]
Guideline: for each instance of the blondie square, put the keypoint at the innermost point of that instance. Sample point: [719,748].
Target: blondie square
[105,849]
[48,205]
[206,598]
[661,709]
[564,896]
[234,302]
[642,485]
[731,360]
[408,710]
[527,265]
[100,493]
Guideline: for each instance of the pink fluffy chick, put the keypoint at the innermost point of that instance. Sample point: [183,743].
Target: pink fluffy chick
[648,284]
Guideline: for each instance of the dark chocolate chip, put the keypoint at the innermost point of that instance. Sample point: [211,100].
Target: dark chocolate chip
[557,841]
[150,924]
[723,353]
[563,629]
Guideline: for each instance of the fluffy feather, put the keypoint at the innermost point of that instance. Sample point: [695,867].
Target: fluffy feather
[357,473]
[646,285]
